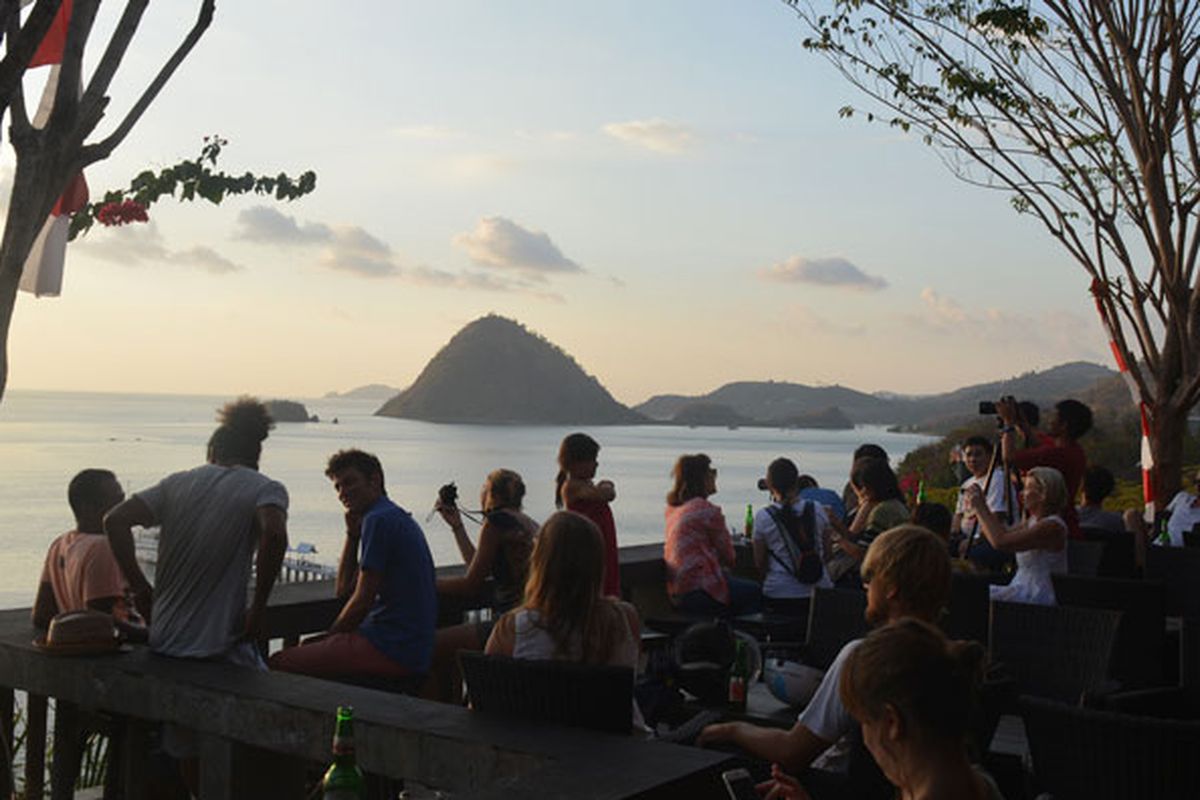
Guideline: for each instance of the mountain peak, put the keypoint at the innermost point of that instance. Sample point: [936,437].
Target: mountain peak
[495,370]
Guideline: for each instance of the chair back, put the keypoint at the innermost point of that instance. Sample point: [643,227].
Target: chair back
[560,692]
[1084,557]
[1179,569]
[966,616]
[1059,652]
[1095,755]
[835,616]
[1141,636]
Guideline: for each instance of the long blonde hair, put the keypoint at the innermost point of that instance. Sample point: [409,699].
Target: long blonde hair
[566,575]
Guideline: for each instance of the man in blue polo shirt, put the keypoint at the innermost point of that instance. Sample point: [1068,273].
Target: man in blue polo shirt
[386,628]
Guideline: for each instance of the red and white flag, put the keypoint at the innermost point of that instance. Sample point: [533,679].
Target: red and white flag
[43,271]
[1149,495]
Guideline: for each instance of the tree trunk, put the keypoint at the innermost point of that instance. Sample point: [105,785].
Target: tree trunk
[1168,431]
[32,197]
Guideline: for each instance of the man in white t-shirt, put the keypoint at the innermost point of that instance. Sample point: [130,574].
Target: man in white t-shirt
[907,574]
[214,520]
[977,455]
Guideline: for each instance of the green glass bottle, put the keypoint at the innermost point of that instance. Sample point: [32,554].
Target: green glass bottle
[921,498]
[343,780]
[749,530]
[739,674]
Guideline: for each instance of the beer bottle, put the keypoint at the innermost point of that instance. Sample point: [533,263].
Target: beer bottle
[343,780]
[921,491]
[738,674]
[1164,537]
[749,521]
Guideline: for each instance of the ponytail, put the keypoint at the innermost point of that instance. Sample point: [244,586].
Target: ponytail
[559,480]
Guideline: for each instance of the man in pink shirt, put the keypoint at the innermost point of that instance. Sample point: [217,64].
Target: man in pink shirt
[80,571]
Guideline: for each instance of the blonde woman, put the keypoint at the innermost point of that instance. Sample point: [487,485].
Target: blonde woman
[1039,540]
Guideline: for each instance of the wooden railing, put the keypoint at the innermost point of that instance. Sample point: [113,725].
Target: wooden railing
[236,712]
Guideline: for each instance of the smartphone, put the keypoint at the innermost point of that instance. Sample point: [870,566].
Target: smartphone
[739,784]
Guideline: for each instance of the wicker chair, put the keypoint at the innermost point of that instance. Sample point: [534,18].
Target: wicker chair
[1056,652]
[1083,557]
[1095,755]
[560,692]
[1140,644]
[1179,569]
[1119,559]
[966,616]
[835,617]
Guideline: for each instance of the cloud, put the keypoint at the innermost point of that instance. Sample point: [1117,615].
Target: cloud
[343,248]
[653,134]
[1053,333]
[142,244]
[476,166]
[503,244]
[427,132]
[802,319]
[354,250]
[822,272]
[265,225]
[942,311]
[207,259]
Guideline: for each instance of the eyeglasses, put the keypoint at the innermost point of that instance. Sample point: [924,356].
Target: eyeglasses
[867,575]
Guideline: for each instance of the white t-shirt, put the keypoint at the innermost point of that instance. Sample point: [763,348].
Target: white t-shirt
[779,582]
[997,497]
[826,714]
[205,547]
[1183,518]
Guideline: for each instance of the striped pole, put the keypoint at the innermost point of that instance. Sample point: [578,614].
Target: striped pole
[1100,293]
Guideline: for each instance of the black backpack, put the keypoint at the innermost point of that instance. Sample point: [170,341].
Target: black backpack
[799,537]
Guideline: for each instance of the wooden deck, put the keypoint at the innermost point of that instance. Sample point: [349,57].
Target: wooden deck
[441,746]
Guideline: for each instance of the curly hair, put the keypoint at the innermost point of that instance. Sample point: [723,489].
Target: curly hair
[244,425]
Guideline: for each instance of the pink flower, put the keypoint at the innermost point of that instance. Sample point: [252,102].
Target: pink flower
[122,213]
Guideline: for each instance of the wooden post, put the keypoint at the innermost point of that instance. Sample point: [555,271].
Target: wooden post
[135,745]
[64,766]
[216,767]
[35,746]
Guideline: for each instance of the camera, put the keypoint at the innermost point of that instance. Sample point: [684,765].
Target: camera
[448,495]
[987,407]
[762,484]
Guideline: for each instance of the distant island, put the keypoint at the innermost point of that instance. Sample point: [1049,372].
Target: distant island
[495,371]
[372,391]
[289,411]
[783,404]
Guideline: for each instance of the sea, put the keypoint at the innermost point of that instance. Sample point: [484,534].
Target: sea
[46,437]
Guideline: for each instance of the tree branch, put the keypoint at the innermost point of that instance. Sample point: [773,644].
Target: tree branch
[22,42]
[102,149]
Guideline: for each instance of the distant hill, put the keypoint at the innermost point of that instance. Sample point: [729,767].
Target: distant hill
[496,371]
[777,403]
[289,411]
[372,391]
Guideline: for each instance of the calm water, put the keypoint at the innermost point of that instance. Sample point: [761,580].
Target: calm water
[46,437]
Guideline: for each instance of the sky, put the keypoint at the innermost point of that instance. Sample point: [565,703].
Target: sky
[664,189]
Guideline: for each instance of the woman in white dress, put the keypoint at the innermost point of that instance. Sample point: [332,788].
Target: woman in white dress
[1039,540]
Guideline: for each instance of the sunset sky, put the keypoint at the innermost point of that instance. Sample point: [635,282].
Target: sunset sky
[664,189]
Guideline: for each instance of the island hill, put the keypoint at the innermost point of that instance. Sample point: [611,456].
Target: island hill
[495,371]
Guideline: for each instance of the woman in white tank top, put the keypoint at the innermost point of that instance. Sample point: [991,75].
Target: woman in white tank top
[564,616]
